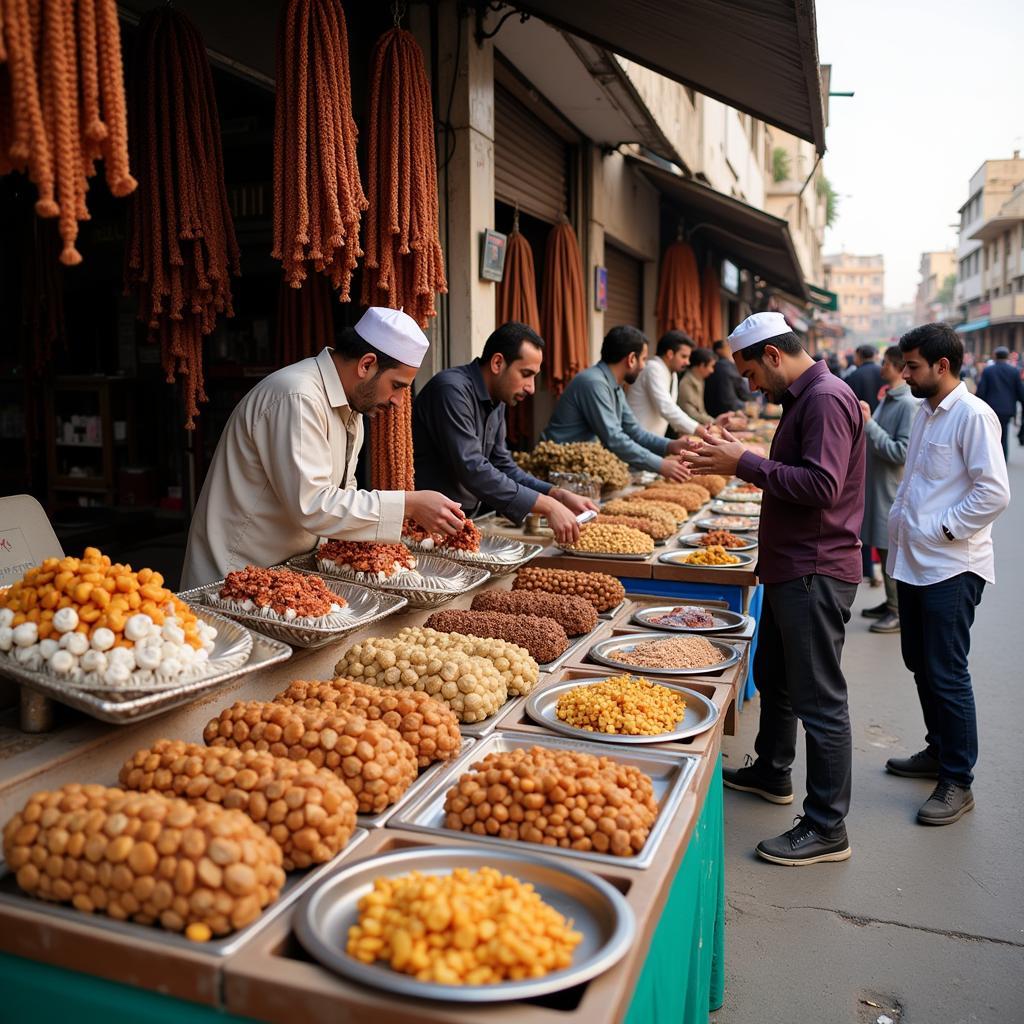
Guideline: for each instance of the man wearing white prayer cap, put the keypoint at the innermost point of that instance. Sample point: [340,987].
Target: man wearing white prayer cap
[283,474]
[810,564]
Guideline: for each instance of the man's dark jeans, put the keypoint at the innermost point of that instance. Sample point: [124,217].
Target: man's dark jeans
[1005,422]
[797,667]
[935,631]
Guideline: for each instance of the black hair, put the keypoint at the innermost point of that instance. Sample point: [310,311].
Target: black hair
[673,341]
[717,346]
[507,341]
[350,345]
[621,342]
[788,343]
[1002,352]
[867,351]
[701,357]
[895,356]
[935,342]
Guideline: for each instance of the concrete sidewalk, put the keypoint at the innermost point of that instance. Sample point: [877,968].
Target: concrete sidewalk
[926,923]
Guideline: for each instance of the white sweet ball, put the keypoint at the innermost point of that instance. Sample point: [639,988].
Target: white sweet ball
[63,662]
[137,626]
[76,643]
[25,635]
[148,657]
[6,618]
[202,655]
[48,647]
[155,629]
[29,657]
[117,675]
[186,655]
[94,661]
[289,614]
[169,667]
[173,633]
[121,656]
[65,620]
[6,638]
[103,639]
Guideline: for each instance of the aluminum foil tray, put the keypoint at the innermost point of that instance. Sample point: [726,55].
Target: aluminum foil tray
[498,555]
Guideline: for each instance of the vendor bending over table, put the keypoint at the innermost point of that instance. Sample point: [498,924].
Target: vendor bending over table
[459,436]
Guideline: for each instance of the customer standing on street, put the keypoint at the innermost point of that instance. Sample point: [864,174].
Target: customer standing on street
[866,379]
[1001,387]
[725,390]
[887,433]
[691,387]
[940,554]
[809,562]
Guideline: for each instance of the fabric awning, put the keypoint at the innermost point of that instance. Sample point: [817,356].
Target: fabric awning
[973,325]
[748,236]
[760,56]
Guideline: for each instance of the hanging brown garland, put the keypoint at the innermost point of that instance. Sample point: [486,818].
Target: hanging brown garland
[305,319]
[62,105]
[563,308]
[181,250]
[679,293]
[404,266]
[318,196]
[391,461]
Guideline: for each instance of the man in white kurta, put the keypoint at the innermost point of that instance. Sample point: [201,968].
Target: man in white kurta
[283,474]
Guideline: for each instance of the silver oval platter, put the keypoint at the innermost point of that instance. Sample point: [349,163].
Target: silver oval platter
[699,716]
[680,558]
[604,653]
[737,508]
[723,523]
[596,908]
[730,495]
[613,555]
[693,540]
[725,621]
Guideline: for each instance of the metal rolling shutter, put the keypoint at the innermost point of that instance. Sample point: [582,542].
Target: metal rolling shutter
[625,288]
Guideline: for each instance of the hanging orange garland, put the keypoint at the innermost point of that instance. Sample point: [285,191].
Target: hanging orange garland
[305,319]
[563,308]
[679,292]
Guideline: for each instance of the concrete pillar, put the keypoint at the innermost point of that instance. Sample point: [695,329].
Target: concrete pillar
[592,241]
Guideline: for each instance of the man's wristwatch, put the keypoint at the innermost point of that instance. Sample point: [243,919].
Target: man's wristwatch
[945,530]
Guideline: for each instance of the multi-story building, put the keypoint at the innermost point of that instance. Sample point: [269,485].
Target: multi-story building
[859,282]
[895,322]
[1002,276]
[934,299]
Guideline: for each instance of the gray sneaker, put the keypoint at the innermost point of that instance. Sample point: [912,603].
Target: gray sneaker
[918,766]
[888,623]
[948,803]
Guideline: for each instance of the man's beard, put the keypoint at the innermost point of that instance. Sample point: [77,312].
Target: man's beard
[630,378]
[364,398]
[924,390]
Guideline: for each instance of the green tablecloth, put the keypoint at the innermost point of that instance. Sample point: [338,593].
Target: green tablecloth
[682,977]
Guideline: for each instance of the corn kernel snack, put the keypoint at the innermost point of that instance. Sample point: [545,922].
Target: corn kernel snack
[604,592]
[467,928]
[542,637]
[574,614]
[713,554]
[144,857]
[369,757]
[308,811]
[622,705]
[96,622]
[618,540]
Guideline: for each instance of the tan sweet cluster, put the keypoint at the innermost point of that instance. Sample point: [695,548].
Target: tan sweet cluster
[659,528]
[674,652]
[690,495]
[714,485]
[574,614]
[588,457]
[680,513]
[289,595]
[466,928]
[467,539]
[309,812]
[556,798]
[369,757]
[713,554]
[622,705]
[722,538]
[194,867]
[619,540]
[543,638]
[378,561]
[427,725]
[604,592]
[633,506]
[472,687]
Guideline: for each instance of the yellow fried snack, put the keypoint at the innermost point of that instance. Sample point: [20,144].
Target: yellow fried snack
[713,555]
[601,537]
[466,928]
[622,705]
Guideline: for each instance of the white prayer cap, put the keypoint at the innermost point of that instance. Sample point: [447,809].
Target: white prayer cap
[758,327]
[394,333]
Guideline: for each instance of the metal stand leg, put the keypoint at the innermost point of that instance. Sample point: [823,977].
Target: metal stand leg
[36,711]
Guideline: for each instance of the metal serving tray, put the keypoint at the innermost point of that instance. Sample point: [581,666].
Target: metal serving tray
[498,555]
[614,556]
[612,612]
[296,884]
[699,716]
[692,540]
[680,558]
[715,523]
[604,653]
[363,608]
[730,495]
[575,643]
[439,581]
[597,910]
[725,621]
[670,774]
[727,508]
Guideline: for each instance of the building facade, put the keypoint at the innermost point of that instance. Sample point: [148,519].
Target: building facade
[859,282]
[935,289]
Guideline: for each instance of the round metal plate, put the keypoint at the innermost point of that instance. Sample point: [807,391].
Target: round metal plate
[604,653]
[725,621]
[596,908]
[692,540]
[727,495]
[699,716]
[680,558]
[716,523]
[752,509]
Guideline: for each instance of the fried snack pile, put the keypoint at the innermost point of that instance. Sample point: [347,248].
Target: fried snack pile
[655,525]
[371,562]
[723,539]
[279,593]
[588,457]
[144,857]
[574,614]
[675,652]
[663,511]
[308,811]
[691,496]
[427,725]
[542,637]
[99,622]
[466,540]
[618,540]
[622,705]
[714,554]
[555,798]
[604,592]
[467,928]
[714,485]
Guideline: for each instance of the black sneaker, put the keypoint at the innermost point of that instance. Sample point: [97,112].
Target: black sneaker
[878,612]
[752,780]
[918,766]
[804,844]
[888,623]
[948,803]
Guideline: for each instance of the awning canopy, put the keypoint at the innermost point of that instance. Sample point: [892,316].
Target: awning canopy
[973,325]
[822,297]
[748,236]
[760,56]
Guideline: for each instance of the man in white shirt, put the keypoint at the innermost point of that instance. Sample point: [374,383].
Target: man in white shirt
[283,473]
[940,553]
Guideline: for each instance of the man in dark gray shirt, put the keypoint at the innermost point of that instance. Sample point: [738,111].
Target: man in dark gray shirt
[459,436]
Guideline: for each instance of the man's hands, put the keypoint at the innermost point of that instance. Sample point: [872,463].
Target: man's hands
[731,421]
[717,456]
[575,503]
[434,512]
[674,469]
[560,518]
[865,410]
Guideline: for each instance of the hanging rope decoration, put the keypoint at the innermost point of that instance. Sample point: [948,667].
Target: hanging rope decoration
[318,196]
[62,105]
[305,319]
[181,250]
[404,266]
[711,305]
[563,314]
[679,293]
[42,300]
[391,460]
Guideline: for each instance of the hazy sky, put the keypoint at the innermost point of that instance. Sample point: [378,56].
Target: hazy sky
[939,89]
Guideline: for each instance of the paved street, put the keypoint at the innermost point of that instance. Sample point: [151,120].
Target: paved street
[928,923]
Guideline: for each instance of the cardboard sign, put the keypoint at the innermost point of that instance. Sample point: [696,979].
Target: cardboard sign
[26,537]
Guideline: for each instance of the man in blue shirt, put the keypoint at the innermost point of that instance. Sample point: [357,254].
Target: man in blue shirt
[459,435]
[593,408]
[1001,387]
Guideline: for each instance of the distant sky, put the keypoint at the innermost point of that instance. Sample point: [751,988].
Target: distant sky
[939,89]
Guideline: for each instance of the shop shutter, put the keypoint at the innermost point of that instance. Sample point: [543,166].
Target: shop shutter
[530,160]
[625,289]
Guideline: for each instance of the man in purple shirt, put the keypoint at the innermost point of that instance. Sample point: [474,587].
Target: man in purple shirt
[810,564]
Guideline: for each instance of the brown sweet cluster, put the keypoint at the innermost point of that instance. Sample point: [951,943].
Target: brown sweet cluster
[680,513]
[143,857]
[691,496]
[467,539]
[633,506]
[723,539]
[427,725]
[282,591]
[543,638]
[412,531]
[655,526]
[603,591]
[363,556]
[589,457]
[574,614]
[555,798]
[714,485]
[309,812]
